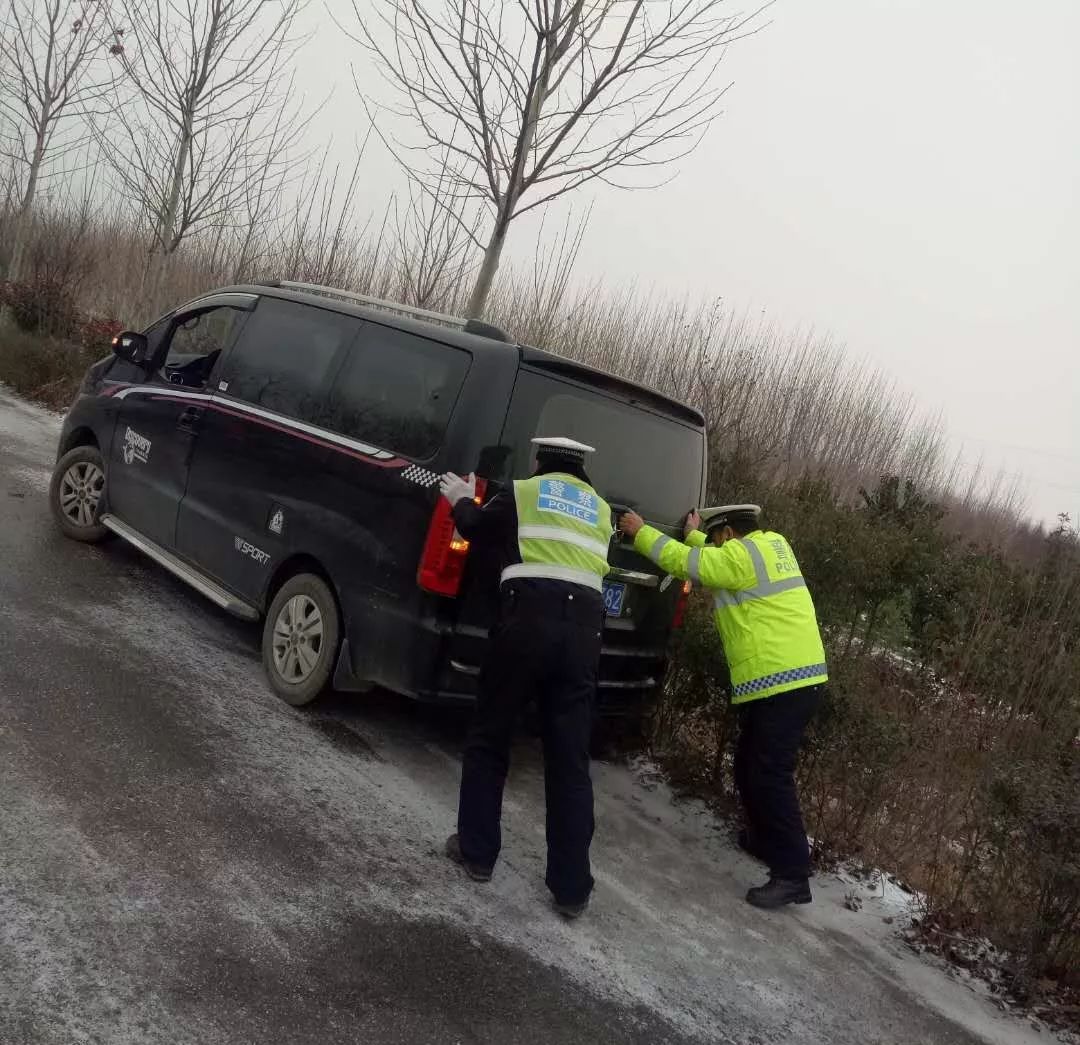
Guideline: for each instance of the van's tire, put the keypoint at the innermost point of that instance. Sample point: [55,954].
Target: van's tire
[301,638]
[76,494]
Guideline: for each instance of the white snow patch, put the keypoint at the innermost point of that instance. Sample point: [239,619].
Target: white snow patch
[37,479]
[28,428]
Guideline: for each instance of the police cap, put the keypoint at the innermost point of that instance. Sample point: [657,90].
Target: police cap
[740,516]
[562,448]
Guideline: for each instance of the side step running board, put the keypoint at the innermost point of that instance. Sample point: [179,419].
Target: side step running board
[200,582]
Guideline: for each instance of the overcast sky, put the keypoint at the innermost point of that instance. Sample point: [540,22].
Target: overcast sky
[901,173]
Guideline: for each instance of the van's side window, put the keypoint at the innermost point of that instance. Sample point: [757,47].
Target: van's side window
[196,341]
[397,390]
[285,356]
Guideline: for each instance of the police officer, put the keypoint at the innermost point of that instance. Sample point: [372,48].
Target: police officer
[769,629]
[553,531]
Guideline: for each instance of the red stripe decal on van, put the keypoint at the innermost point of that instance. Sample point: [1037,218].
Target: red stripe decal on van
[393,462]
[208,402]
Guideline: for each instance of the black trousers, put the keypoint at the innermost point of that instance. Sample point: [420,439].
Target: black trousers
[545,646]
[770,732]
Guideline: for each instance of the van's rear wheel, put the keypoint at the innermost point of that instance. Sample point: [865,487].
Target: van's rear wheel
[300,639]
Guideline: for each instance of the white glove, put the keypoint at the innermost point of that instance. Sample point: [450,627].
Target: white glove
[455,489]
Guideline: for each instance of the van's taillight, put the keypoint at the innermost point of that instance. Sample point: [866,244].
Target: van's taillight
[680,606]
[442,564]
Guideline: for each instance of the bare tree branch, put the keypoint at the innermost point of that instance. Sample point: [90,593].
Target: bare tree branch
[204,129]
[518,104]
[53,67]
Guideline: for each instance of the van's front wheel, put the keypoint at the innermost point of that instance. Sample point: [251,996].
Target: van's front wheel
[75,493]
[300,639]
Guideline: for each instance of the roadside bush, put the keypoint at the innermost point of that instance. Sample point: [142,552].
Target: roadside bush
[850,762]
[1031,887]
[42,305]
[694,724]
[946,750]
[95,334]
[45,368]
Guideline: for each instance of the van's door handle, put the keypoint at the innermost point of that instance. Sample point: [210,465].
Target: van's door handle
[190,418]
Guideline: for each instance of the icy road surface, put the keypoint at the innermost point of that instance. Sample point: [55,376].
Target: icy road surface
[184,859]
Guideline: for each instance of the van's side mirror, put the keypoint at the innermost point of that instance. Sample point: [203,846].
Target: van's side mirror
[131,346]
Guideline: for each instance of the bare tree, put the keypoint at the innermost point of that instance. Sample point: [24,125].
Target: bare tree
[434,244]
[260,194]
[52,66]
[314,238]
[536,98]
[205,113]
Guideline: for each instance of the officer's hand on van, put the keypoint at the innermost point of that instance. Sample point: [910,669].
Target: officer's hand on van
[630,523]
[693,522]
[455,489]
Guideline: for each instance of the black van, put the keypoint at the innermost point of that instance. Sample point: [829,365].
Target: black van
[278,447]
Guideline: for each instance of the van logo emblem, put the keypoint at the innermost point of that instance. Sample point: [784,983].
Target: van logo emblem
[277,522]
[136,447]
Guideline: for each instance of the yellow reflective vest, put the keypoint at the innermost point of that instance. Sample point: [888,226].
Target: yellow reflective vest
[564,530]
[763,608]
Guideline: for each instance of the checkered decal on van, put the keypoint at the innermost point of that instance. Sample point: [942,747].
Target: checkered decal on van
[421,476]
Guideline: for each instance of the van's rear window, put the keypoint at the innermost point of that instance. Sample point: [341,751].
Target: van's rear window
[643,459]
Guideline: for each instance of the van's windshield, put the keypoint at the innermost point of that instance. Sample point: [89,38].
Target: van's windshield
[643,459]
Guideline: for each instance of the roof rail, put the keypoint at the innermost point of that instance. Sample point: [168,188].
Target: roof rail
[468,326]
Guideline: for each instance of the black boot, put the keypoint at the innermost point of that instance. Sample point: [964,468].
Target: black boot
[570,911]
[474,871]
[779,892]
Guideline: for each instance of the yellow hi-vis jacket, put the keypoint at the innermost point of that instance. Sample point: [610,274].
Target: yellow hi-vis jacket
[763,608]
[564,529]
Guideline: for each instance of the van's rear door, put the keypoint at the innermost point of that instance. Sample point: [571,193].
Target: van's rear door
[651,457]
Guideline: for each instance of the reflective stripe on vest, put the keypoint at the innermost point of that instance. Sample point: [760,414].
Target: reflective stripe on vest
[550,572]
[779,678]
[557,533]
[693,565]
[724,599]
[659,545]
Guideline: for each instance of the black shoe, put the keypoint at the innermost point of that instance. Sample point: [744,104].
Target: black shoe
[570,911]
[474,871]
[748,844]
[779,892]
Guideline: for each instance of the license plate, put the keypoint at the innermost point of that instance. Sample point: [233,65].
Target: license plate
[614,598]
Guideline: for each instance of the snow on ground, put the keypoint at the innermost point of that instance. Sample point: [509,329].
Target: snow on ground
[374,783]
[25,424]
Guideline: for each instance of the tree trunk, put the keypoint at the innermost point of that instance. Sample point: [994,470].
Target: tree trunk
[486,276]
[240,269]
[157,267]
[493,252]
[26,205]
[168,240]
